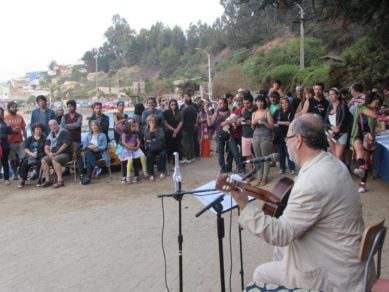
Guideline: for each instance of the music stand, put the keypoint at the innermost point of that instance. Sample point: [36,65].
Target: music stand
[216,203]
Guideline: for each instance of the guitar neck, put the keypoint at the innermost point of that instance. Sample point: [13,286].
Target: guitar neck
[259,193]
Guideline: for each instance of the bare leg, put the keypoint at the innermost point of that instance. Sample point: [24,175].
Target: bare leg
[58,170]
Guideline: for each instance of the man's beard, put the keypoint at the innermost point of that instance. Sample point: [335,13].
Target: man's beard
[12,112]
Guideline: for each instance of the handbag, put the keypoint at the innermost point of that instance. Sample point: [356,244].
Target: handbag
[154,145]
[119,149]
[368,141]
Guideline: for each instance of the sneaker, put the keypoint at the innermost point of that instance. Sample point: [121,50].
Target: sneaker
[292,172]
[21,184]
[98,170]
[360,171]
[123,181]
[281,171]
[184,161]
[85,181]
[151,178]
[145,174]
[135,179]
[162,176]
[7,182]
[362,187]
[128,179]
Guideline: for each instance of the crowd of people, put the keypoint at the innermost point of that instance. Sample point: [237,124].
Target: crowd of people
[243,128]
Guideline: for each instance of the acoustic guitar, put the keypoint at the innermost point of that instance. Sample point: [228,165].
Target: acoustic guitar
[275,201]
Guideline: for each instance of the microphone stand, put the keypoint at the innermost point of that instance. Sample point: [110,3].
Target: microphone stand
[177,178]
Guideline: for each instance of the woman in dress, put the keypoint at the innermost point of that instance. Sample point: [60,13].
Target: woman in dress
[94,150]
[262,123]
[173,125]
[131,152]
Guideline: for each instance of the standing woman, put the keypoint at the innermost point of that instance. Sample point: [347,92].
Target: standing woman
[364,129]
[5,130]
[173,125]
[94,150]
[155,145]
[308,94]
[338,121]
[262,123]
[119,119]
[282,119]
[219,121]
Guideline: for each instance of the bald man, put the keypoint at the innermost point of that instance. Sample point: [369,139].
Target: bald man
[318,236]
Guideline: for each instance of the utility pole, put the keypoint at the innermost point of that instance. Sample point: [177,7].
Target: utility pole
[209,73]
[97,61]
[301,35]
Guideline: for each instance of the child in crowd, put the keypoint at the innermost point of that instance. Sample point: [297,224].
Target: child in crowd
[131,150]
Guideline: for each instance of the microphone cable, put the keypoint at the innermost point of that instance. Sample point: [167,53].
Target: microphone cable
[163,246]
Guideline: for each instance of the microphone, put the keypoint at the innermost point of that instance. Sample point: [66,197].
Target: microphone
[270,157]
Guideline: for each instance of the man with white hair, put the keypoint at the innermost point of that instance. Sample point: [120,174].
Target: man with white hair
[58,152]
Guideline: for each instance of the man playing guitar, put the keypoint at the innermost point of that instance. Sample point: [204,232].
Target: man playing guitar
[318,235]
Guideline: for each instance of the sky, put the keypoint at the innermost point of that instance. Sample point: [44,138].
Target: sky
[34,33]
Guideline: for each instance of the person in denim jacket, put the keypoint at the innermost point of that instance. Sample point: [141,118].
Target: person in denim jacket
[95,149]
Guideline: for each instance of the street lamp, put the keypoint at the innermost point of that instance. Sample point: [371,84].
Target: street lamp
[97,61]
[209,73]
[301,36]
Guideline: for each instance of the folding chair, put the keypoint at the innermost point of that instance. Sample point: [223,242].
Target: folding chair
[371,246]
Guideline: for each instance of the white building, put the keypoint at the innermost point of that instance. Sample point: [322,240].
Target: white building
[4,91]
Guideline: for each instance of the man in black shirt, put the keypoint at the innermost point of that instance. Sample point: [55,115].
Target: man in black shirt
[189,126]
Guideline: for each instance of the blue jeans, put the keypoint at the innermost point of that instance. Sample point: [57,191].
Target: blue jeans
[221,149]
[283,153]
[234,154]
[161,163]
[91,161]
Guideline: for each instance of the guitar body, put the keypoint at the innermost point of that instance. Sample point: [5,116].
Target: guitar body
[281,190]
[275,200]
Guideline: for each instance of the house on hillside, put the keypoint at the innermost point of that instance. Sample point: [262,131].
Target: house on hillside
[4,91]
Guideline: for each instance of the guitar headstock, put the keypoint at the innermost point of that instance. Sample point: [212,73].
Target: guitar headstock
[225,183]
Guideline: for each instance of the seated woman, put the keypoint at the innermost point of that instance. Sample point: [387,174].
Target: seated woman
[94,150]
[131,150]
[154,137]
[34,147]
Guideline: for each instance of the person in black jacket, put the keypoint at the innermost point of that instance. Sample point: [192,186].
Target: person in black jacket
[101,118]
[339,121]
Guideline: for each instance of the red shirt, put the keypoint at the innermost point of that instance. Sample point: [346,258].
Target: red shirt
[18,125]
